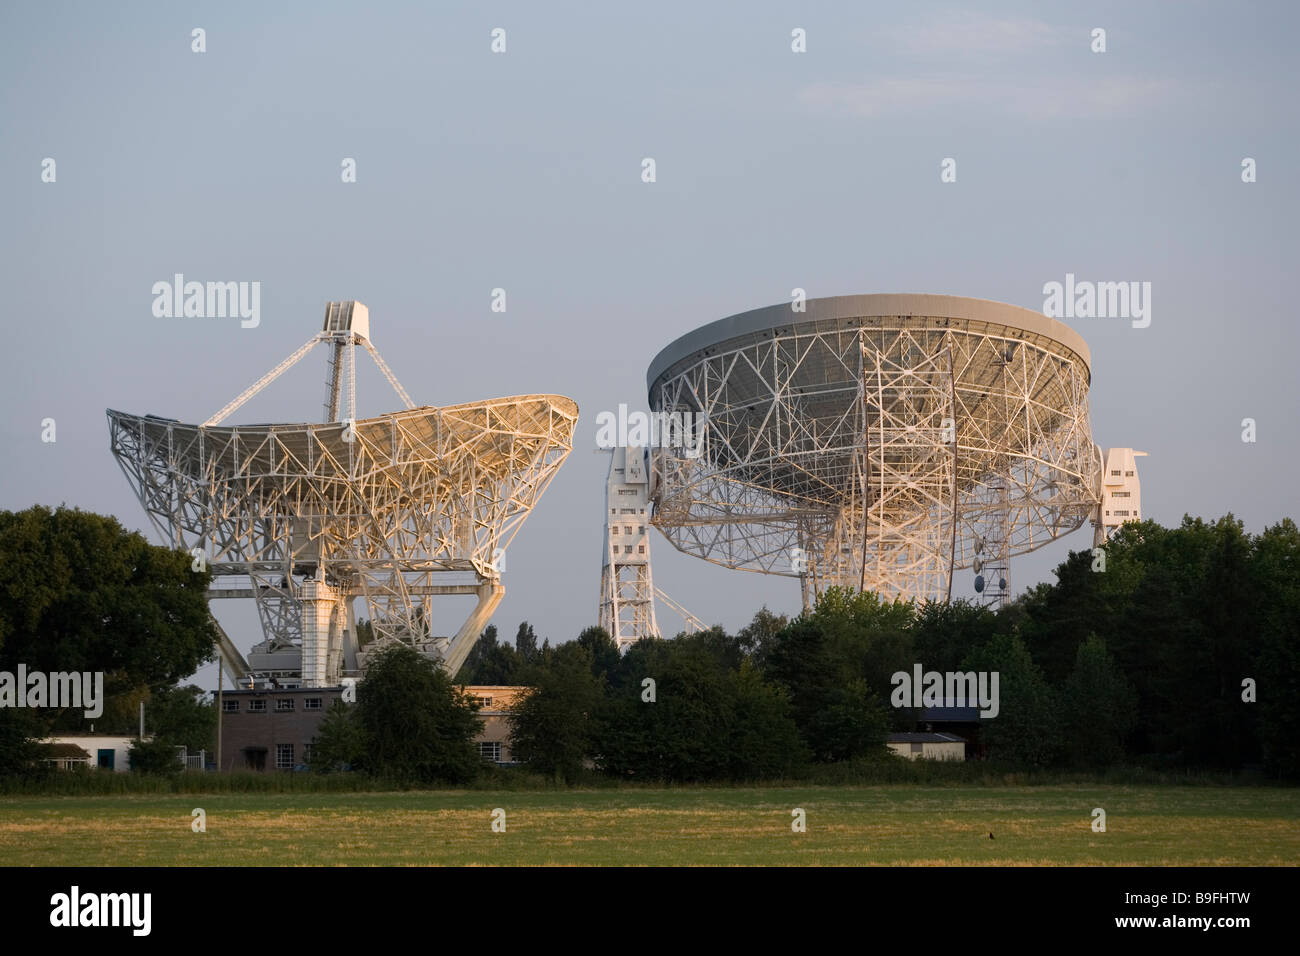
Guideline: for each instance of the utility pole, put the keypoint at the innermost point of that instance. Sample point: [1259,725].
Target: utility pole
[220,673]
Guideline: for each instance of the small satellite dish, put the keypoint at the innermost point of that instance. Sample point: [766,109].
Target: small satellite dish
[1002,584]
[978,565]
[979,584]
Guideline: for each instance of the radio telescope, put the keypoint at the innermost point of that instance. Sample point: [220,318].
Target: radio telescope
[881,442]
[306,517]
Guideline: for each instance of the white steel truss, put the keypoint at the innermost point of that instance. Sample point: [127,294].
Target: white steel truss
[627,589]
[876,452]
[315,515]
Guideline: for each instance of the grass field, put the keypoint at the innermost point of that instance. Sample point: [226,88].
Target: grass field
[845,826]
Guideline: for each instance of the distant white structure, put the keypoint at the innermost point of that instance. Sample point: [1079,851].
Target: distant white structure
[627,606]
[98,751]
[1121,493]
[927,746]
[627,591]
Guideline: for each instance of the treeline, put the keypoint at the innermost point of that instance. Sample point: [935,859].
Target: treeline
[1171,648]
[80,593]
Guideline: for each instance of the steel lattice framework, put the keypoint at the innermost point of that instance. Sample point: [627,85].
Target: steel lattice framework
[877,442]
[314,515]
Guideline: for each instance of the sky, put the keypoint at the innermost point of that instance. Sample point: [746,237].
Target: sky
[522,170]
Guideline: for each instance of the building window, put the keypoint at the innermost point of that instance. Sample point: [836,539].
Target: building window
[1128,474]
[918,748]
[312,703]
[640,529]
[490,750]
[483,701]
[1122,494]
[640,549]
[283,703]
[257,706]
[284,756]
[627,529]
[627,549]
[614,530]
[229,706]
[306,753]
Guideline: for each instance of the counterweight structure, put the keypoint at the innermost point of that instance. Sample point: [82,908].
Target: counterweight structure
[306,517]
[627,592]
[878,442]
[627,589]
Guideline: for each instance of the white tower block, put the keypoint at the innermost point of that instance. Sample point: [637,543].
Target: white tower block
[321,627]
[627,609]
[1120,494]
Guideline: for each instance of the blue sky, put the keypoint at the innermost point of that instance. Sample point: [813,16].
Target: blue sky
[522,171]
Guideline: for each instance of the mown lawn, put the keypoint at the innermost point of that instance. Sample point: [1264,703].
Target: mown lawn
[889,825]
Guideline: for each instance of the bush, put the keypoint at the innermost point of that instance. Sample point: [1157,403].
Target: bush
[156,757]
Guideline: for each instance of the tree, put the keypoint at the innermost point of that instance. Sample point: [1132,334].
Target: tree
[943,633]
[1275,570]
[603,650]
[19,749]
[552,727]
[526,642]
[831,661]
[682,733]
[80,593]
[340,742]
[1026,730]
[761,630]
[156,757]
[183,716]
[489,662]
[1098,707]
[418,726]
[764,740]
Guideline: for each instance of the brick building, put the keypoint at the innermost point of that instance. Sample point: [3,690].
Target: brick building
[273,729]
[494,710]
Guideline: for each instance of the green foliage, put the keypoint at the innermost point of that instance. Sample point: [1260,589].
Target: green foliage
[1186,612]
[1026,731]
[604,652]
[340,742]
[713,716]
[19,750]
[184,716]
[526,643]
[418,726]
[762,629]
[1098,708]
[1276,575]
[156,757]
[764,742]
[80,593]
[553,727]
[490,662]
[830,662]
[944,633]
